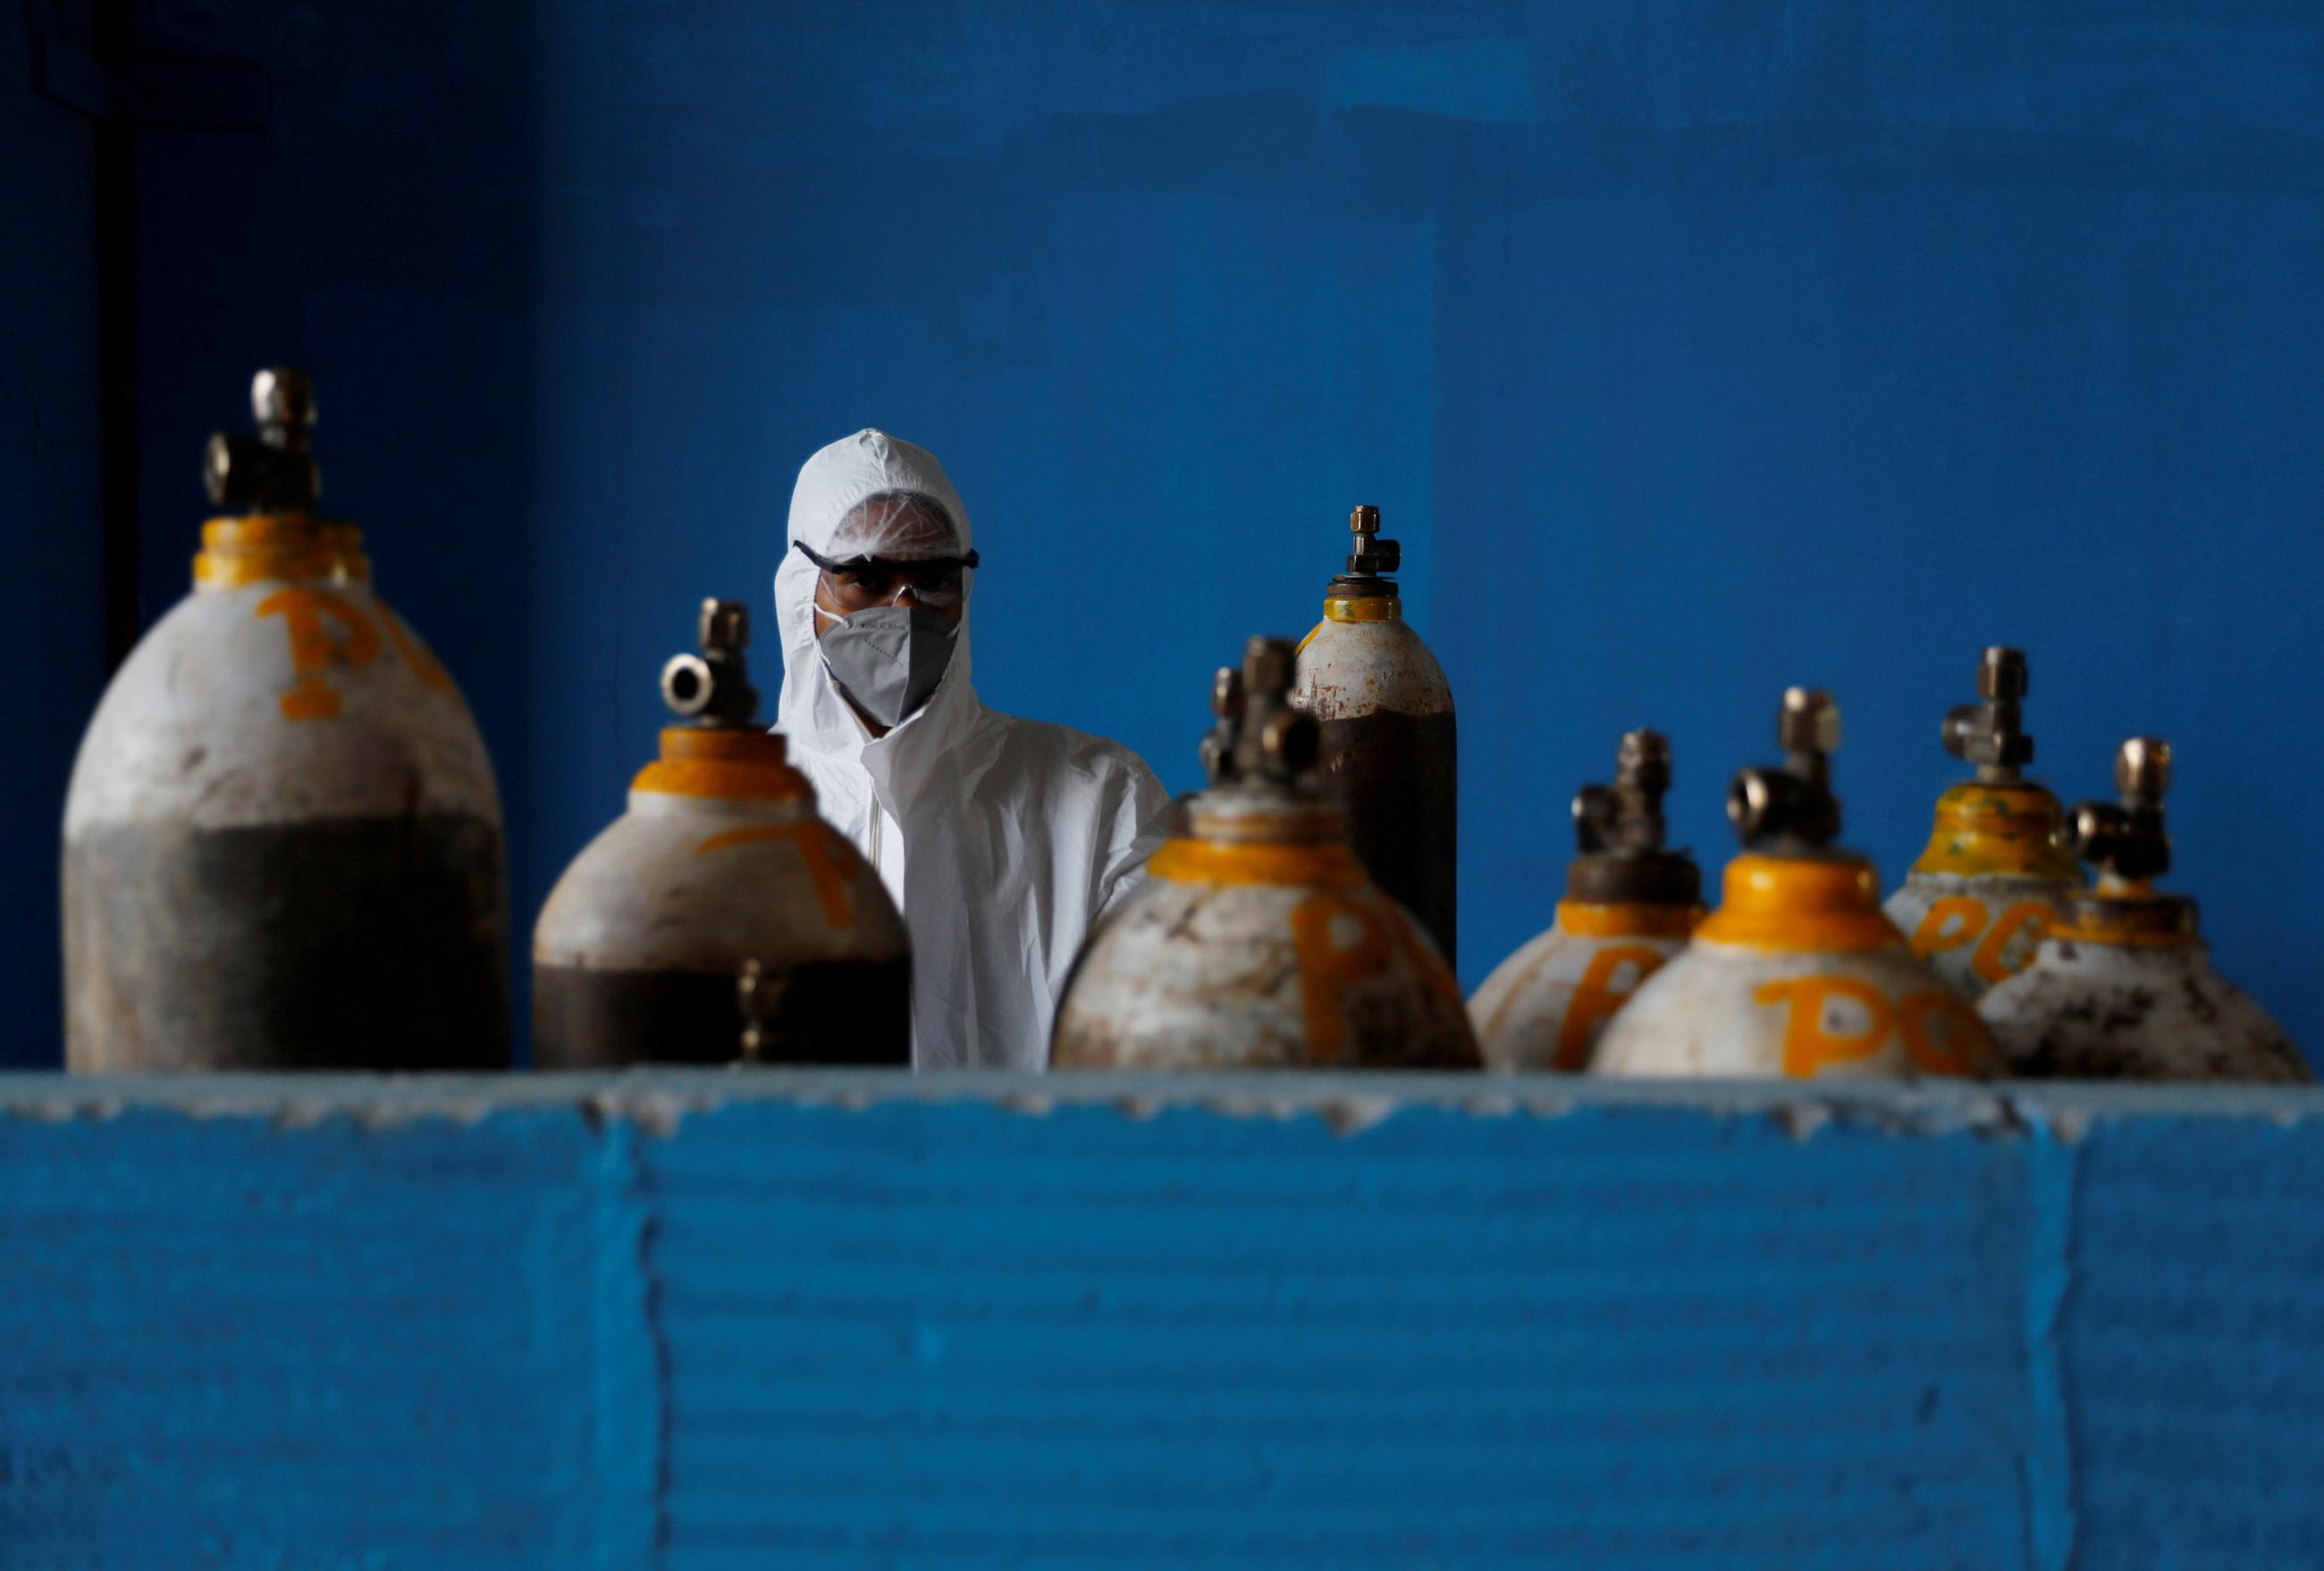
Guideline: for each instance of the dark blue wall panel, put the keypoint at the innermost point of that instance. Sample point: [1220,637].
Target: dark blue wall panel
[52,592]
[1691,351]
[703,1321]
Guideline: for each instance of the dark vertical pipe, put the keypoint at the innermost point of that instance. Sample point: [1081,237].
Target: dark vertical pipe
[111,29]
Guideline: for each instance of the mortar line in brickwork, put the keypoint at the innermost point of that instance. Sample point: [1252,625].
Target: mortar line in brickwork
[632,1351]
[658,1336]
[2054,1169]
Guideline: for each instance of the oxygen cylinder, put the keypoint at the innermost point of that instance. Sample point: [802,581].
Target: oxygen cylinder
[1389,756]
[1629,907]
[1797,973]
[1256,941]
[1989,884]
[720,869]
[2122,988]
[283,840]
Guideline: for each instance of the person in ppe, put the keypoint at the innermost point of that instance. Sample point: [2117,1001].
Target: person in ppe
[1001,839]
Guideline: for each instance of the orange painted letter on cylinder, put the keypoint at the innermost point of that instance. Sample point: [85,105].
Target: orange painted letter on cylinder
[1988,961]
[1808,1043]
[1596,998]
[1933,938]
[312,648]
[1327,965]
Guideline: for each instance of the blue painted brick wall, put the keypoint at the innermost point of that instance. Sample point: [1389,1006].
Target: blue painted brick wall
[700,1321]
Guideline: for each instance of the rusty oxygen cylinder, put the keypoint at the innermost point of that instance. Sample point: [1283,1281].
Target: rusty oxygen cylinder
[719,861]
[1797,973]
[1256,941]
[1389,754]
[282,842]
[1989,884]
[1629,904]
[2122,988]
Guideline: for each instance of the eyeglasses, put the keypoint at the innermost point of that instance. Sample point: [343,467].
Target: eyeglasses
[867,583]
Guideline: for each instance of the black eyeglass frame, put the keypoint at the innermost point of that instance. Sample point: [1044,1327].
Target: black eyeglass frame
[888,564]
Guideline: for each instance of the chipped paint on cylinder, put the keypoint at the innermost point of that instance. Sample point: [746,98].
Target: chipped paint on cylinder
[1987,887]
[1797,974]
[1545,1007]
[283,840]
[2090,1009]
[1391,751]
[2122,988]
[719,859]
[1262,953]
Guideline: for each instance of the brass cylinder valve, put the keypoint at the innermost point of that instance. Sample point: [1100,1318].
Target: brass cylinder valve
[1792,808]
[1619,831]
[1991,732]
[1259,737]
[713,688]
[273,470]
[1219,741]
[1373,557]
[2127,841]
[1627,815]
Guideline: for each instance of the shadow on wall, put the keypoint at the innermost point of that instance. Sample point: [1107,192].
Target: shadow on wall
[52,594]
[381,232]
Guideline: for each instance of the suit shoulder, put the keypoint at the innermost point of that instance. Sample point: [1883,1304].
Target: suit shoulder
[1043,742]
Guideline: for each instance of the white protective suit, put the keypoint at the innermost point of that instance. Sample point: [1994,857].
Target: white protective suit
[1000,839]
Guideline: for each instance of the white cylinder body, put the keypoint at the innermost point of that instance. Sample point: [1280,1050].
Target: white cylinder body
[282,847]
[1545,1007]
[1723,1009]
[1196,973]
[1975,931]
[639,949]
[2101,1011]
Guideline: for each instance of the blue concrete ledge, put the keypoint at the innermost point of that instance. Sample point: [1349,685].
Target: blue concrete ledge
[710,1320]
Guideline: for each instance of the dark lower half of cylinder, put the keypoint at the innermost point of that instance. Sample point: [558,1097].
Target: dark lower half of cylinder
[377,943]
[1397,777]
[824,1012]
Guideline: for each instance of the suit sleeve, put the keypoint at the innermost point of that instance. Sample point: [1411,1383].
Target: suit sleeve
[1139,822]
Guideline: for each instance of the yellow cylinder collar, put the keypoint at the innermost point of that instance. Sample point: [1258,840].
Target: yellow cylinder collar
[1801,903]
[1362,608]
[1998,830]
[2127,914]
[1323,864]
[735,765]
[280,547]
[1626,919]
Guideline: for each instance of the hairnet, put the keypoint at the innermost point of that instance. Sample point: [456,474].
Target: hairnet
[861,487]
[902,526]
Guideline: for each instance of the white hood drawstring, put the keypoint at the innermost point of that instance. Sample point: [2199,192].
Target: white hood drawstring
[1000,839]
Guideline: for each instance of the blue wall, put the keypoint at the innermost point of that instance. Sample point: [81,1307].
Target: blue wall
[1691,351]
[51,591]
[712,1320]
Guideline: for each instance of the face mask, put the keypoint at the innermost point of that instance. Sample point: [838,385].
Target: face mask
[888,660]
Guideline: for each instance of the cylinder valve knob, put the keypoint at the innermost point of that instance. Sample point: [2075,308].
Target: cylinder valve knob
[1793,806]
[273,470]
[1374,554]
[2127,840]
[713,688]
[1991,733]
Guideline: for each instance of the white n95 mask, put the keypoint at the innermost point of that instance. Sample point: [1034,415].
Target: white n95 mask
[888,660]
